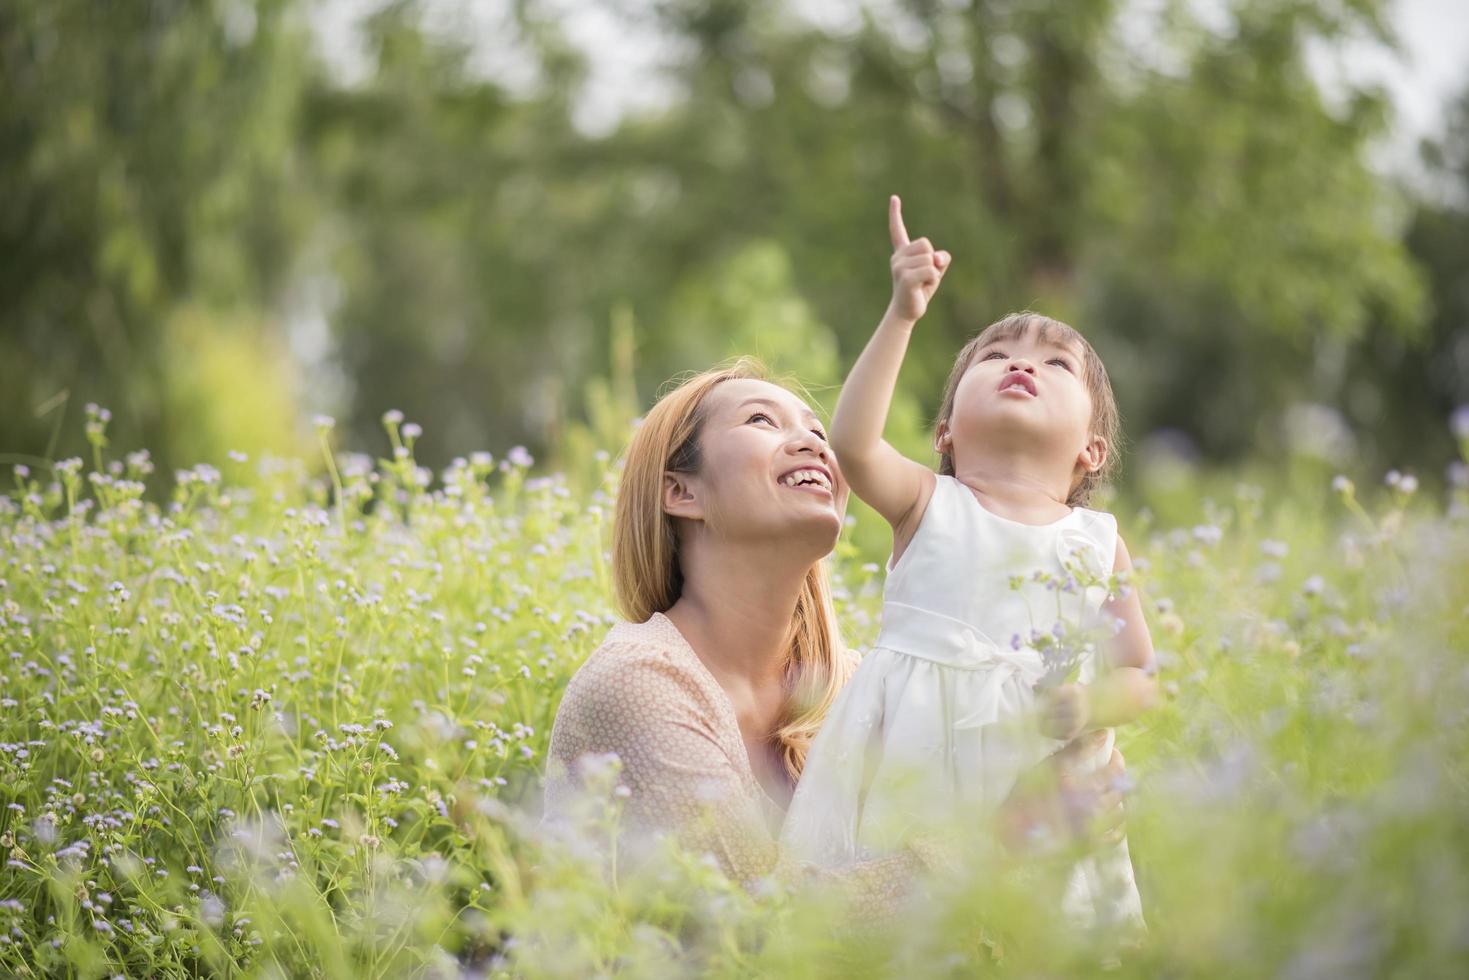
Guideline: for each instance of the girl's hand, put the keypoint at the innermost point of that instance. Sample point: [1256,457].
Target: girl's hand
[1065,711]
[1064,800]
[917,267]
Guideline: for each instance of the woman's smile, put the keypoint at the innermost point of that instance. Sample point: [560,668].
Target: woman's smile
[808,478]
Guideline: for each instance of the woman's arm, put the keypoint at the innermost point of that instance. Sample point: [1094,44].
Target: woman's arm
[895,486]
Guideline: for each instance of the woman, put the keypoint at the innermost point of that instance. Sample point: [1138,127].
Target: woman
[711,692]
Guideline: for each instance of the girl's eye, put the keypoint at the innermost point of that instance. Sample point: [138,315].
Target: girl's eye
[819,434]
[1061,361]
[992,355]
[760,415]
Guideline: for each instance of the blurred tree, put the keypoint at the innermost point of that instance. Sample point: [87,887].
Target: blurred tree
[1241,245]
[233,384]
[750,304]
[475,297]
[1181,190]
[1400,391]
[148,157]
[1204,215]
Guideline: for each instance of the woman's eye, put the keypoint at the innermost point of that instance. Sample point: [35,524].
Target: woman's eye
[819,434]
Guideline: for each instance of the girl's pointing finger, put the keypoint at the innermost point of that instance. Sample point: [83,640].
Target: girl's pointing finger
[896,231]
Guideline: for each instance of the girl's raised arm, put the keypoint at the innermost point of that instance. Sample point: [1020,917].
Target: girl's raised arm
[896,487]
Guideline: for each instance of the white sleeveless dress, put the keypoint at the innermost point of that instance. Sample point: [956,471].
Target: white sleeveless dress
[938,717]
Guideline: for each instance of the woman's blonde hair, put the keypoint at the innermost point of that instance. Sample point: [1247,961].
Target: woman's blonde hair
[647,577]
[1105,421]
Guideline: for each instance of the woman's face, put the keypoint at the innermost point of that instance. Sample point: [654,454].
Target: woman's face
[766,471]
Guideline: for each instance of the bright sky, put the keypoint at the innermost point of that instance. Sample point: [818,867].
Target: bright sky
[1432,69]
[1435,34]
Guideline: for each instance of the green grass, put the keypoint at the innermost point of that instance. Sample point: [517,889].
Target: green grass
[244,732]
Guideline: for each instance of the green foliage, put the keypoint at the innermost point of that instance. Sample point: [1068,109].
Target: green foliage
[291,726]
[749,304]
[233,380]
[1435,368]
[1177,185]
[149,158]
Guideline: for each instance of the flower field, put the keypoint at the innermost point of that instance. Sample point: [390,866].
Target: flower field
[291,722]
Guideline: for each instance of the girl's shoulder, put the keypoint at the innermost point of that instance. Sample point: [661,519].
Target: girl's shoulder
[1092,531]
[1099,526]
[1099,518]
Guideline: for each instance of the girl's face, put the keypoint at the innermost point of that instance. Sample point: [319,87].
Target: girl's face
[1022,389]
[766,470]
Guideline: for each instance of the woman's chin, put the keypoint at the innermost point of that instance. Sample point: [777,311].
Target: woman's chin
[816,530]
[823,532]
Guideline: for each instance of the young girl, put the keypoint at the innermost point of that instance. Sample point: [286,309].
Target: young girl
[941,715]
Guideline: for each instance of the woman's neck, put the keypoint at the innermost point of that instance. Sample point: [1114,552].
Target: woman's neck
[735,611]
[736,608]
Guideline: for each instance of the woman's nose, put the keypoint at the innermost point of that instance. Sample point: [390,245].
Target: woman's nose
[810,442]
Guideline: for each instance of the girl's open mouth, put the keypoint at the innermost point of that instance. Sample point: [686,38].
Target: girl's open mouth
[1019,381]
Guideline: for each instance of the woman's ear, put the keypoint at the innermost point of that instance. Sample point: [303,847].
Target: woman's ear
[1093,455]
[679,498]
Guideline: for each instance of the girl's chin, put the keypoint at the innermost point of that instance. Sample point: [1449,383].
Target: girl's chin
[1008,421]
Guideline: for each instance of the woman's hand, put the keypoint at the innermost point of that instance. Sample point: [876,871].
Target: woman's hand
[917,268]
[1065,711]
[1063,800]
